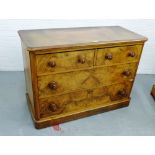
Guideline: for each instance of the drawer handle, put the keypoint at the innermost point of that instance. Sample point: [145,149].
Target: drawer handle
[81,60]
[122,93]
[126,73]
[52,64]
[52,107]
[52,85]
[108,56]
[131,54]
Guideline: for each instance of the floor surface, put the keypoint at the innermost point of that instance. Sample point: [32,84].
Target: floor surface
[137,119]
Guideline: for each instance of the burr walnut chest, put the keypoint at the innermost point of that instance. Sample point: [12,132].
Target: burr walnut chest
[76,72]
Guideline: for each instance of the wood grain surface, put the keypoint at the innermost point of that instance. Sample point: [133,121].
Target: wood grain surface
[67,78]
[64,61]
[65,37]
[83,100]
[119,55]
[85,79]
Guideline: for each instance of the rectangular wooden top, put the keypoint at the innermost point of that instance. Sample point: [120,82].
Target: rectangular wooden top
[69,37]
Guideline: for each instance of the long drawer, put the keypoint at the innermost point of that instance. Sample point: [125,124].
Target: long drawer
[82,100]
[57,84]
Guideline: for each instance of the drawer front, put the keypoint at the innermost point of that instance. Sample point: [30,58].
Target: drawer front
[83,100]
[57,84]
[59,62]
[109,56]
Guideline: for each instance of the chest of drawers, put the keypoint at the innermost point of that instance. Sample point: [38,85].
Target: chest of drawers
[76,72]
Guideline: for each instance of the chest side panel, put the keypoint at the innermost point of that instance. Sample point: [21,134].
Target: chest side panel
[28,77]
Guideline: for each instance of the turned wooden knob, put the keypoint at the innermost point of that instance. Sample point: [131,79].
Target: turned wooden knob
[108,56]
[127,73]
[52,85]
[81,60]
[121,93]
[52,107]
[52,64]
[131,54]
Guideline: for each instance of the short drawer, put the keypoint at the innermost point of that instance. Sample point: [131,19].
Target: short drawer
[59,62]
[83,100]
[57,84]
[116,55]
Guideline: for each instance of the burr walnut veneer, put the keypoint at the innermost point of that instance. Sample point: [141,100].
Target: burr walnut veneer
[76,72]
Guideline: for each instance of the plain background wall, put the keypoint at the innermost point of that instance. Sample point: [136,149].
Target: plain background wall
[10,47]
